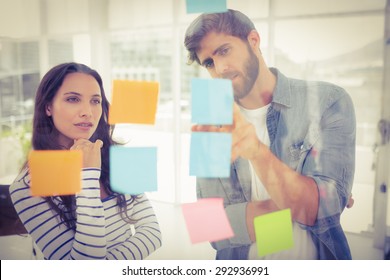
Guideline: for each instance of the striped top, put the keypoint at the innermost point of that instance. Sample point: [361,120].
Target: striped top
[100,232]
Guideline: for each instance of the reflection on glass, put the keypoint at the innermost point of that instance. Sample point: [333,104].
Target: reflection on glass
[347,51]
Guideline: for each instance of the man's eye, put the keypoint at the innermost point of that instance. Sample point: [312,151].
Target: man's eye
[224,51]
[208,63]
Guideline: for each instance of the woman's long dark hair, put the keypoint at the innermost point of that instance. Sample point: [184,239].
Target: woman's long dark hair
[44,135]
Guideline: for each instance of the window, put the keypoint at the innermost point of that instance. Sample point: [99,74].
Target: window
[348,51]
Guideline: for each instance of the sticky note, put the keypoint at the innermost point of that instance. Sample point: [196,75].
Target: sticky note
[133,170]
[206,220]
[211,101]
[274,232]
[55,172]
[133,102]
[206,6]
[210,154]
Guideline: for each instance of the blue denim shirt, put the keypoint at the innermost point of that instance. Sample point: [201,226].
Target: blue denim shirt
[312,129]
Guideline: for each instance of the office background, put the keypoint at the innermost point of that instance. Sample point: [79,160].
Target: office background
[340,41]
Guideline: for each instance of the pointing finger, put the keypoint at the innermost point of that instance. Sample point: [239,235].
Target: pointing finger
[238,119]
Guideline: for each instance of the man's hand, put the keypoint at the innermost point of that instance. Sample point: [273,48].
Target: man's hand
[351,201]
[245,142]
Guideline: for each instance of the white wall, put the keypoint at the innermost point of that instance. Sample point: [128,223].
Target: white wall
[19,18]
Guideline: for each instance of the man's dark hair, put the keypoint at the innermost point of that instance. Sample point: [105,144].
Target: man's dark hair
[232,23]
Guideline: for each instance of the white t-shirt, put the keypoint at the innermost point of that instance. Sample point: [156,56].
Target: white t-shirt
[304,247]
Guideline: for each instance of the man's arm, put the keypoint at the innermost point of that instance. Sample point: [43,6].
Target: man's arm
[286,187]
[257,208]
[326,187]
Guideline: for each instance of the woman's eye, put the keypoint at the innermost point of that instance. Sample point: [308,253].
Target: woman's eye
[73,99]
[96,101]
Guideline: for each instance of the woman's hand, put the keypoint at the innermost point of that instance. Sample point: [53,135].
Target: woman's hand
[91,152]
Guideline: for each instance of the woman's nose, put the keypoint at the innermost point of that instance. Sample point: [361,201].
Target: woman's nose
[86,110]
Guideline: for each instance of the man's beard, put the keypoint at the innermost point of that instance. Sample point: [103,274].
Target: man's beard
[249,76]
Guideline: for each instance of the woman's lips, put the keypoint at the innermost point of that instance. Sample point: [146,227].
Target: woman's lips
[84,125]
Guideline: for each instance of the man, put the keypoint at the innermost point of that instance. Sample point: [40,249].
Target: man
[293,144]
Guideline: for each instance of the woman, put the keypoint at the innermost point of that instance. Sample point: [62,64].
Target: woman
[71,112]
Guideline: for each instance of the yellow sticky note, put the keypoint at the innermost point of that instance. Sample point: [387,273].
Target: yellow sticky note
[55,172]
[274,232]
[133,102]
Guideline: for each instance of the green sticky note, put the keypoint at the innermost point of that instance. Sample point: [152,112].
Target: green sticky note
[274,232]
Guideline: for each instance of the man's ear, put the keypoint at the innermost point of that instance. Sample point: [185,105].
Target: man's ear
[48,110]
[254,39]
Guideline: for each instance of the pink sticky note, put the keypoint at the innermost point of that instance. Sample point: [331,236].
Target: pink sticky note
[206,220]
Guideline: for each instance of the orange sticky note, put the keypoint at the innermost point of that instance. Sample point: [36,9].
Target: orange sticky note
[133,102]
[55,172]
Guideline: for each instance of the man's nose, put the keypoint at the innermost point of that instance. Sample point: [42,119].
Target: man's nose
[221,67]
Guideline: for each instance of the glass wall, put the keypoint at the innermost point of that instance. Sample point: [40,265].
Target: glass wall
[19,78]
[145,55]
[339,41]
[345,49]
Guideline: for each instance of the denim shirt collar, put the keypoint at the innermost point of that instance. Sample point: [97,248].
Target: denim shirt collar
[282,91]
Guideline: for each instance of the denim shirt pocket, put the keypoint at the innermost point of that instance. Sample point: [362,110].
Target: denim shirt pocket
[299,149]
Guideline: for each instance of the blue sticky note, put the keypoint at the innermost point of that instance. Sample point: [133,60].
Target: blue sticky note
[210,154]
[133,170]
[206,6]
[211,101]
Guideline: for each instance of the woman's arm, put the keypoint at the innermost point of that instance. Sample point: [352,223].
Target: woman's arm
[55,239]
[147,236]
